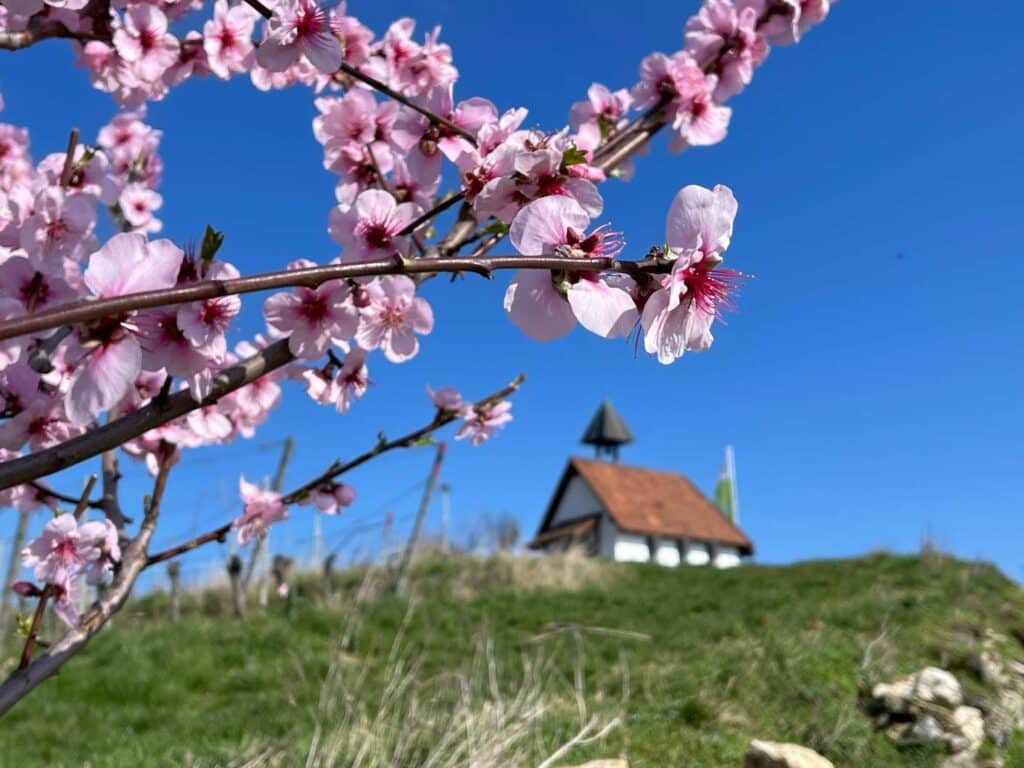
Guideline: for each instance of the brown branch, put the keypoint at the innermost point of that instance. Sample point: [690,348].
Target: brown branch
[310,277]
[437,210]
[336,469]
[69,159]
[111,503]
[42,490]
[441,419]
[33,632]
[83,502]
[133,560]
[393,94]
[218,535]
[130,426]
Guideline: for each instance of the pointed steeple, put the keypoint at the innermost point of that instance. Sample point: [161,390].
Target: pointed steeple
[606,432]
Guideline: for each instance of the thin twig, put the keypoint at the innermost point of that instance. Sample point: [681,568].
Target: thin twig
[83,501]
[338,468]
[437,210]
[69,159]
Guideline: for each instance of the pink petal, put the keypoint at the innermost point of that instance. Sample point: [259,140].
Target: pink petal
[103,379]
[535,306]
[601,309]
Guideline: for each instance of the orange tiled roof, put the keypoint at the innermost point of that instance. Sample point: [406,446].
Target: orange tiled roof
[654,503]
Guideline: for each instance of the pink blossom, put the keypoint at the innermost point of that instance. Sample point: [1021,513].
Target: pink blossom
[314,318]
[481,422]
[32,7]
[391,317]
[63,548]
[35,285]
[227,38]
[545,306]
[144,42]
[330,496]
[413,130]
[59,224]
[137,203]
[445,398]
[65,602]
[262,509]
[111,354]
[369,228]
[728,35]
[204,323]
[678,316]
[299,28]
[603,112]
[354,36]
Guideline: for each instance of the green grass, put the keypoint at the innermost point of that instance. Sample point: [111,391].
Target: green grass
[758,652]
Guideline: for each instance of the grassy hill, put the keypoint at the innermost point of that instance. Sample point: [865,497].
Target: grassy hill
[693,662]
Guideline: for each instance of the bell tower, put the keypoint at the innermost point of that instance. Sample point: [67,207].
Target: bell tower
[606,432]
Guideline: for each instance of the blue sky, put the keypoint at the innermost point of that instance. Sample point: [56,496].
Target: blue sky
[870,382]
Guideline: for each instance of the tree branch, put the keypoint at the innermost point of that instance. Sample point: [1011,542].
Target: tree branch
[130,426]
[336,469]
[133,560]
[310,277]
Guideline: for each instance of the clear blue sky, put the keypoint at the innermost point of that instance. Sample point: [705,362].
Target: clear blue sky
[872,380]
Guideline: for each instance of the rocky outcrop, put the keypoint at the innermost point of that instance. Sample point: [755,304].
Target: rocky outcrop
[768,754]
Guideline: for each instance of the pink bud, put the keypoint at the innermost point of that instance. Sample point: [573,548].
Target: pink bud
[26,589]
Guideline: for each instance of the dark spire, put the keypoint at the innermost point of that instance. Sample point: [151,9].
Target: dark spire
[606,432]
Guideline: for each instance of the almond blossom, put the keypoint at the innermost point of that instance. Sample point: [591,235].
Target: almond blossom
[678,316]
[369,229]
[313,318]
[330,497]
[64,548]
[299,28]
[481,422]
[262,509]
[390,316]
[547,306]
[111,356]
[227,38]
[143,41]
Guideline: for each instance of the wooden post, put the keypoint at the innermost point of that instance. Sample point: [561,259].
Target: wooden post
[237,590]
[174,574]
[328,576]
[402,584]
[282,572]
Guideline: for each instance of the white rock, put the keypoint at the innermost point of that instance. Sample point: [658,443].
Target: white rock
[968,730]
[767,754]
[937,686]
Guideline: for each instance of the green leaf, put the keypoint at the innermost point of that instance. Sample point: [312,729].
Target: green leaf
[573,156]
[496,228]
[420,441]
[212,241]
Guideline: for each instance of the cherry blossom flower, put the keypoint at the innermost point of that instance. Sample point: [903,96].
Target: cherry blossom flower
[36,285]
[369,228]
[262,509]
[31,7]
[601,113]
[314,318]
[546,306]
[299,28]
[330,496]
[393,314]
[227,38]
[481,422]
[678,316]
[111,354]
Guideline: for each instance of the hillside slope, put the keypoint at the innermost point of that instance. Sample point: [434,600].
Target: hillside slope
[782,653]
